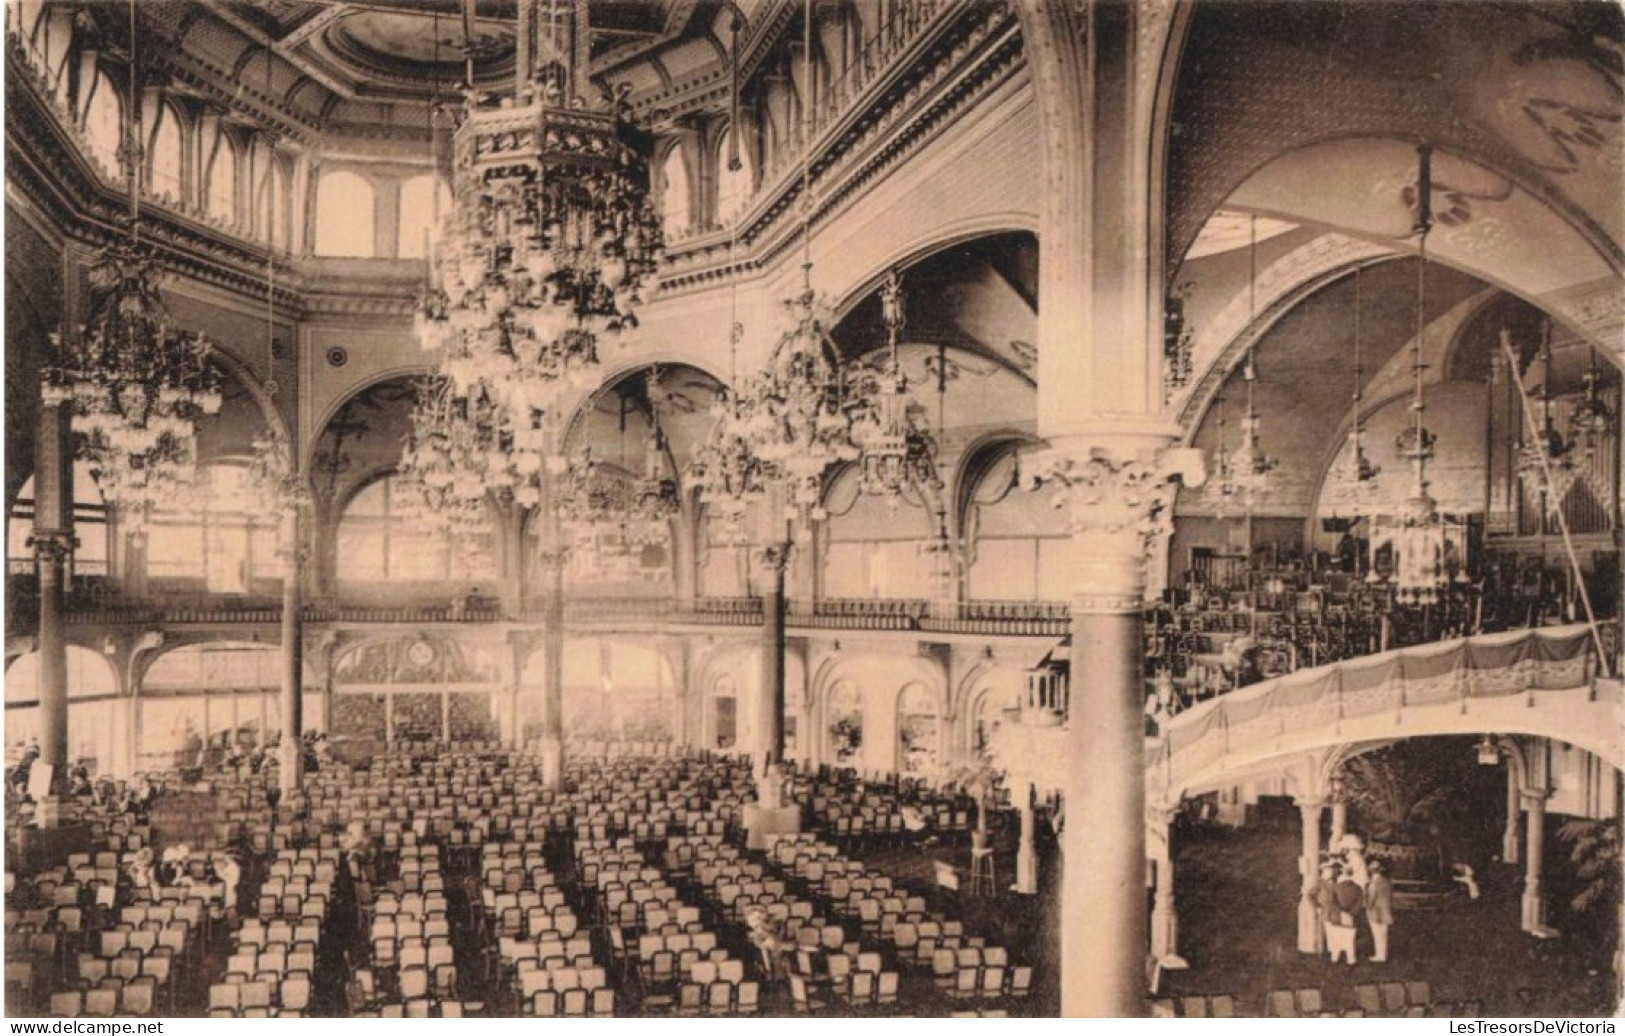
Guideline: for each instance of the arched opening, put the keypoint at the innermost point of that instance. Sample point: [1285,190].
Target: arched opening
[843,726]
[104,122]
[734,186]
[222,193]
[615,690]
[344,215]
[676,195]
[167,156]
[220,536]
[918,730]
[90,557]
[97,717]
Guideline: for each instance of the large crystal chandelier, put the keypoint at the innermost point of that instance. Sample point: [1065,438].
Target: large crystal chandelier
[1548,457]
[635,504]
[797,414]
[551,243]
[1352,486]
[136,385]
[898,453]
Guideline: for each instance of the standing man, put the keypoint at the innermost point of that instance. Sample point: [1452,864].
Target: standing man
[1379,909]
[1350,901]
[1325,899]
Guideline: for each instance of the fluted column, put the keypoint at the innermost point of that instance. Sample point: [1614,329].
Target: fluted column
[1311,935]
[1117,492]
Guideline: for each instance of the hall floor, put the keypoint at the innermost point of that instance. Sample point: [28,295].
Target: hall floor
[1237,893]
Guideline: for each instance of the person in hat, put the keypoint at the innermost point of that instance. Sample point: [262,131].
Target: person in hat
[1379,909]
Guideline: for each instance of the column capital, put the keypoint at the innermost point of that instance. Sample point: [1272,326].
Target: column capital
[1308,805]
[52,545]
[1118,493]
[1533,798]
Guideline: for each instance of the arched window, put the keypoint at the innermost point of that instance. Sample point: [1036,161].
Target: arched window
[224,538]
[733,185]
[97,735]
[344,214]
[222,694]
[223,181]
[89,525]
[417,221]
[104,122]
[674,194]
[383,538]
[917,729]
[614,690]
[167,149]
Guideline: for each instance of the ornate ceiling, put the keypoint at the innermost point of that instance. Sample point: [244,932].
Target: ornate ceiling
[334,63]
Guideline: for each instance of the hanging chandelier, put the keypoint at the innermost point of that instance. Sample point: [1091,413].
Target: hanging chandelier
[1418,531]
[1352,484]
[1591,422]
[135,384]
[1250,467]
[796,416]
[636,506]
[551,243]
[898,453]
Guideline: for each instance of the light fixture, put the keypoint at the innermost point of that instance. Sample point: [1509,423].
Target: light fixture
[897,452]
[790,422]
[1489,754]
[1419,536]
[1222,488]
[1250,467]
[135,384]
[551,243]
[1353,483]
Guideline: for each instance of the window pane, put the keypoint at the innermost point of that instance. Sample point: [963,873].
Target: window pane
[104,123]
[417,213]
[223,182]
[674,194]
[344,215]
[166,158]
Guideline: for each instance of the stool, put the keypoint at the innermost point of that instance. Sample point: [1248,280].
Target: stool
[982,882]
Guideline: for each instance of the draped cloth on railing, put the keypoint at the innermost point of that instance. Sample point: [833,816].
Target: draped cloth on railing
[1489,666]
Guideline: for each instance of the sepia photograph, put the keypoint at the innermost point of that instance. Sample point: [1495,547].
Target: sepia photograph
[661,509]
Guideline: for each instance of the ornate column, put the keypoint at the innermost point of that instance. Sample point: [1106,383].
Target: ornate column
[1118,491]
[1311,935]
[53,544]
[1534,901]
[770,815]
[1164,913]
[551,556]
[1340,813]
[292,757]
[769,745]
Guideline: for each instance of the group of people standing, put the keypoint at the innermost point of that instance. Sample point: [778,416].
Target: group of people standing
[1350,891]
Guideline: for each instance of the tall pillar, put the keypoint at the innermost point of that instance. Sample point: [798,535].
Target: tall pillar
[1164,911]
[551,556]
[1311,935]
[1027,849]
[291,760]
[1509,834]
[769,746]
[53,561]
[1534,900]
[1117,491]
[1340,821]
